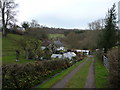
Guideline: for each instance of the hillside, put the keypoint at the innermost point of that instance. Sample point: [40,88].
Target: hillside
[9,46]
[61,30]
[11,43]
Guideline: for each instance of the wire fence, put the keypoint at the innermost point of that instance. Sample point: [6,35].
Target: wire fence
[106,62]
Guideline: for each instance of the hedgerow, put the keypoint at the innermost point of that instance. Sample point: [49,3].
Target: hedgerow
[114,67]
[30,74]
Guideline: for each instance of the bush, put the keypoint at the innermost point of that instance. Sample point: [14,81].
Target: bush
[114,67]
[15,31]
[37,33]
[99,55]
[30,74]
[31,47]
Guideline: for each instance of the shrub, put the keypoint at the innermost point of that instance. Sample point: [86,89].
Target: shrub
[114,67]
[99,55]
[30,74]
[15,31]
[37,33]
[31,47]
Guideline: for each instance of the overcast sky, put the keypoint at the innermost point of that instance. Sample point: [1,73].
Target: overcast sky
[63,13]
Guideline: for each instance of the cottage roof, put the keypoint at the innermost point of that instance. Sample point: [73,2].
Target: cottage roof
[58,43]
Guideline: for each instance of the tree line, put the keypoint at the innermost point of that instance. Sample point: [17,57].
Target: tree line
[103,34]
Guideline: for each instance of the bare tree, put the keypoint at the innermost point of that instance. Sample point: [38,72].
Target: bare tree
[97,25]
[7,14]
[34,24]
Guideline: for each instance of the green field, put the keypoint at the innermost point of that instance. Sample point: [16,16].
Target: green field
[55,79]
[9,45]
[54,36]
[101,75]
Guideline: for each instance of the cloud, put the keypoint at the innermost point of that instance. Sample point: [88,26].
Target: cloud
[63,13]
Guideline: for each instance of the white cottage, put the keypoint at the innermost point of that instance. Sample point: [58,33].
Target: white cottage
[61,48]
[57,56]
[84,51]
[68,55]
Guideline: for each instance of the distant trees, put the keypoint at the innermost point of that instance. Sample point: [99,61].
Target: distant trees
[34,24]
[37,33]
[72,40]
[85,40]
[25,25]
[97,25]
[7,13]
[89,40]
[33,29]
[108,37]
[15,29]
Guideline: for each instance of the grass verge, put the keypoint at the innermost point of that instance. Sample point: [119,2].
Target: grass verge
[55,79]
[101,75]
[79,79]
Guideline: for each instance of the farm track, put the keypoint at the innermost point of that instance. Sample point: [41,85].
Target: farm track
[90,82]
[63,82]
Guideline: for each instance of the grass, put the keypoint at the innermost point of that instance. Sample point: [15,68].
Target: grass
[55,79]
[9,45]
[56,36]
[101,74]
[79,79]
[10,42]
[12,59]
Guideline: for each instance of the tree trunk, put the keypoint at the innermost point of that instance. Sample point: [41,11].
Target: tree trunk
[4,31]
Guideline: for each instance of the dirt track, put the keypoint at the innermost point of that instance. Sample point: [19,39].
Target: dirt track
[90,78]
[63,82]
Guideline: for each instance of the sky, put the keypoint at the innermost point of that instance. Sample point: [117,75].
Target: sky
[69,14]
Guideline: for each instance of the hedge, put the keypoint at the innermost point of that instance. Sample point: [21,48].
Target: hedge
[30,74]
